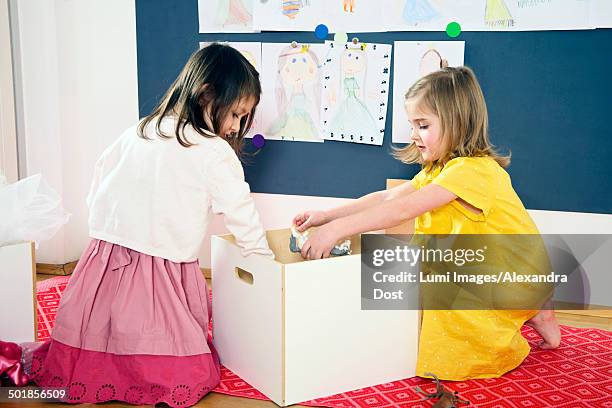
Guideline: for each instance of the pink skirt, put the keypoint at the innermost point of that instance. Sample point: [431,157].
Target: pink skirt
[130,327]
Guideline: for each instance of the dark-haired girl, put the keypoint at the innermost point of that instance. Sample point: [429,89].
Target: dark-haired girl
[132,323]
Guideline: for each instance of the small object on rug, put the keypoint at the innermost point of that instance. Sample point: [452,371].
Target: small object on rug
[446,399]
[297,240]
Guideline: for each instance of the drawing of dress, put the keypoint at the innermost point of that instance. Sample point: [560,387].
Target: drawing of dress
[296,122]
[291,8]
[353,117]
[497,14]
[233,12]
[418,11]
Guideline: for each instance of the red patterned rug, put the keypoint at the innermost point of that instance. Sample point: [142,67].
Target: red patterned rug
[577,374]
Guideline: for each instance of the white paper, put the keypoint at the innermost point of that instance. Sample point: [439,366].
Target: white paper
[252,52]
[230,16]
[291,99]
[412,60]
[352,16]
[486,15]
[600,13]
[355,92]
[550,14]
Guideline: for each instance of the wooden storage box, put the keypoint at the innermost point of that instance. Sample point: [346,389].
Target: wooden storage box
[294,329]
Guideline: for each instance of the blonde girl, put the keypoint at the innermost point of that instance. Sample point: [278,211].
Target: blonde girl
[463,188]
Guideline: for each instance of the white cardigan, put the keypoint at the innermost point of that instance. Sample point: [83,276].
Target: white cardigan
[158,197]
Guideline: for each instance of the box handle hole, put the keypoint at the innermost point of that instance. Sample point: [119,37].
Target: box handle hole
[246,277]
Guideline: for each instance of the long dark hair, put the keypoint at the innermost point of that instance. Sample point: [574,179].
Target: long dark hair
[214,78]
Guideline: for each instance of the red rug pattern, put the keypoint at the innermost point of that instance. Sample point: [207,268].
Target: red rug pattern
[577,374]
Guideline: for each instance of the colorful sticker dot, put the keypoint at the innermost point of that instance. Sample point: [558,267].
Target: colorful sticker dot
[321,31]
[453,29]
[340,38]
[259,141]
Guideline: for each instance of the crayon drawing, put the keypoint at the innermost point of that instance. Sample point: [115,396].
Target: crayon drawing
[355,92]
[292,92]
[414,60]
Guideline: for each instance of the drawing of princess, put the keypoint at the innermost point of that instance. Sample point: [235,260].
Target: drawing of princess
[497,14]
[418,11]
[298,97]
[353,120]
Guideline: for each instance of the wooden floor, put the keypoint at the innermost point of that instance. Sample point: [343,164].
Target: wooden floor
[601,319]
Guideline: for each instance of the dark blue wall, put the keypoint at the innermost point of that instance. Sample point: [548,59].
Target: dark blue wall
[549,96]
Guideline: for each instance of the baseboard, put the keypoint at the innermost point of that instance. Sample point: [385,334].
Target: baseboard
[56,269]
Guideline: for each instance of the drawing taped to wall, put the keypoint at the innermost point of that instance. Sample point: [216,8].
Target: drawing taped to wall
[355,92]
[429,15]
[291,92]
[413,60]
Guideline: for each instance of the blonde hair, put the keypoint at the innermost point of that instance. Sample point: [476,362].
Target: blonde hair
[455,97]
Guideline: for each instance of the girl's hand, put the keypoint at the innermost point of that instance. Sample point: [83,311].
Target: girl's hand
[309,219]
[320,243]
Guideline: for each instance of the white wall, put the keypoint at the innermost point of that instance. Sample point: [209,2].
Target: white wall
[77,90]
[8,135]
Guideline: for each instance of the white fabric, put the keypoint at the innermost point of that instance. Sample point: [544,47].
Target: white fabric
[158,197]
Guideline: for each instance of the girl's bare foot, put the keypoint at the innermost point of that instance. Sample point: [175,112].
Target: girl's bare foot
[545,323]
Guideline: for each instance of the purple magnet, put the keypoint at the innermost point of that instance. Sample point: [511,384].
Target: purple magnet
[259,141]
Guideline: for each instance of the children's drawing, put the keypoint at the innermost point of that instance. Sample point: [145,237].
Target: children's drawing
[497,14]
[418,11]
[225,15]
[297,95]
[233,12]
[413,60]
[291,8]
[353,117]
[356,83]
[427,15]
[349,6]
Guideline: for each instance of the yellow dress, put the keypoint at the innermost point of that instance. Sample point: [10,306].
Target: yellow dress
[464,344]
